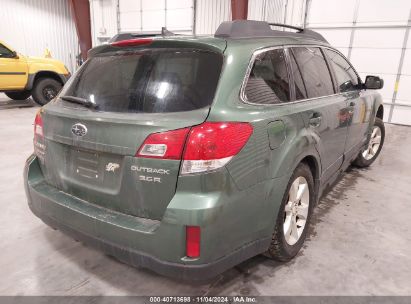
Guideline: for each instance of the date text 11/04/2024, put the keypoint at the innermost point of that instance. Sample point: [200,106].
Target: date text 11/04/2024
[203,299]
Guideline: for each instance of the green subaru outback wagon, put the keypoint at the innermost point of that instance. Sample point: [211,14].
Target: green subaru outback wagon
[189,155]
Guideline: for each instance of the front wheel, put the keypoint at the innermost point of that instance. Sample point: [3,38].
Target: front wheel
[45,89]
[370,153]
[294,215]
[18,95]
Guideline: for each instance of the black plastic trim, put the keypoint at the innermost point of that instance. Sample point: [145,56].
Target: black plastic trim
[139,259]
[13,73]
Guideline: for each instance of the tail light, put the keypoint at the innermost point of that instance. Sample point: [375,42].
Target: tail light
[38,126]
[212,145]
[39,147]
[165,145]
[193,235]
[208,146]
[132,42]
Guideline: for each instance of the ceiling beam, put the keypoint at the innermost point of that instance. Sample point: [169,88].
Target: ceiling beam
[81,15]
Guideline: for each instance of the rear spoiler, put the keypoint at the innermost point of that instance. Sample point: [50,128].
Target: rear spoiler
[135,35]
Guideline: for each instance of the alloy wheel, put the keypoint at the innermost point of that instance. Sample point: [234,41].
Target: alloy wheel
[296,210]
[374,144]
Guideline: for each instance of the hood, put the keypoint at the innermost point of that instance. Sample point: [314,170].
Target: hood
[44,60]
[47,63]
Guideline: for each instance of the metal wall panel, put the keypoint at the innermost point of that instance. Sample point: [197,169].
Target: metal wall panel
[372,34]
[295,12]
[34,25]
[267,10]
[209,14]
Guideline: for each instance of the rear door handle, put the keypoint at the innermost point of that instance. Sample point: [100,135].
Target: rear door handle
[315,120]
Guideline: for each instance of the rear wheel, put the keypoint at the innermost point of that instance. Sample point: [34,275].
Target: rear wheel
[294,215]
[45,89]
[18,95]
[370,153]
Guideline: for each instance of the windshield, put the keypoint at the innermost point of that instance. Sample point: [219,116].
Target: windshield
[150,81]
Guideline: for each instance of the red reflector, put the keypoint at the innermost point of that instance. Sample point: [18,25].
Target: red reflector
[164,145]
[193,241]
[215,140]
[132,42]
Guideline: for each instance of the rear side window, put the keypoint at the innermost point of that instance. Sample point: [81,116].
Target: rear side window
[314,71]
[347,79]
[268,82]
[151,81]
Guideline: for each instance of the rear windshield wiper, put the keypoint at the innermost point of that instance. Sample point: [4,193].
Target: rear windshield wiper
[78,100]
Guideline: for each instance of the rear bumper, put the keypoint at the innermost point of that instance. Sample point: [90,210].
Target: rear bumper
[141,259]
[156,245]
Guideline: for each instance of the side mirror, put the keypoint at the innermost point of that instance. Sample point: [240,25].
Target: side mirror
[373,83]
[15,55]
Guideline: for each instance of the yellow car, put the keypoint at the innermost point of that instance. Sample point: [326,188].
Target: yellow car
[23,76]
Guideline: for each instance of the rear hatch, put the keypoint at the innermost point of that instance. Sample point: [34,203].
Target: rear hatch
[95,128]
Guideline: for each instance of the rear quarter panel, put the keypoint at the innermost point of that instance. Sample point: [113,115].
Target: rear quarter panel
[264,166]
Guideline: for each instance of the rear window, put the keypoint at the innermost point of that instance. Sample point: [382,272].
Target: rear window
[151,81]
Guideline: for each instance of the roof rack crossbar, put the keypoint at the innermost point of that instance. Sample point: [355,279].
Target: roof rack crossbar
[299,29]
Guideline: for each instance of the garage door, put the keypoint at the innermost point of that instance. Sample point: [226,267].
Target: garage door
[149,15]
[373,34]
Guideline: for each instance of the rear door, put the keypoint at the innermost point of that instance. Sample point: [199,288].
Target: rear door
[91,152]
[325,111]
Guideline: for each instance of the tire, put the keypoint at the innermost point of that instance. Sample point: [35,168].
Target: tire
[370,153]
[284,248]
[45,89]
[18,95]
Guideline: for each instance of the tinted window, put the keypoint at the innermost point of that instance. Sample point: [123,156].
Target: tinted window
[300,90]
[346,78]
[314,71]
[153,81]
[5,52]
[268,82]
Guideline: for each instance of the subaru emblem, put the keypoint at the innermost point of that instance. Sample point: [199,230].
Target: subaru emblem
[79,129]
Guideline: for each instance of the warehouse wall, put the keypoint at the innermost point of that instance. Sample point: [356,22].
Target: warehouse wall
[109,17]
[210,13]
[373,35]
[182,16]
[148,15]
[103,14]
[29,26]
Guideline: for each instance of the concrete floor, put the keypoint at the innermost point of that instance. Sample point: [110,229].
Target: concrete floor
[360,243]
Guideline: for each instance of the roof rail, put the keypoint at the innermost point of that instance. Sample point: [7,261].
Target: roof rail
[299,29]
[255,29]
